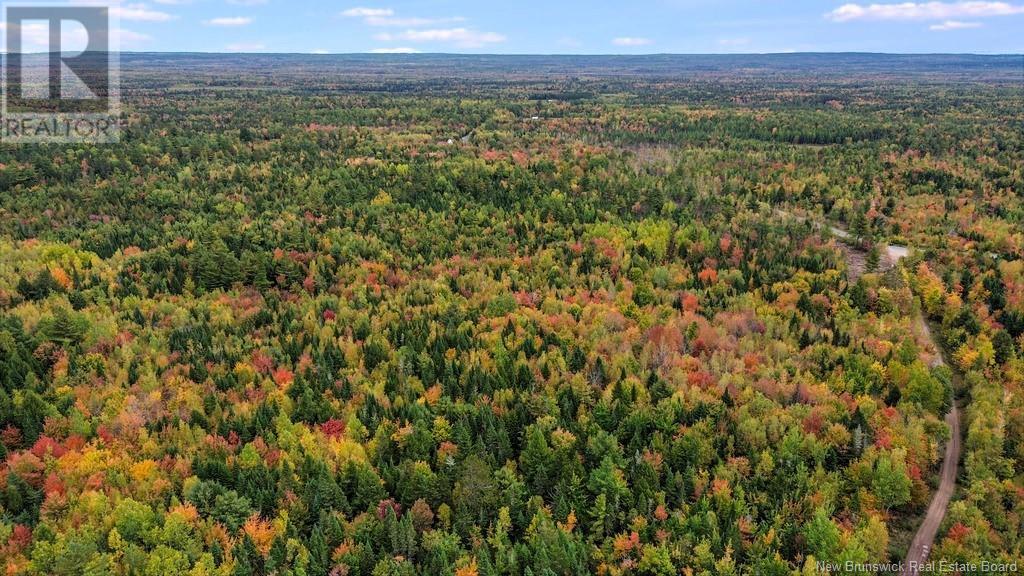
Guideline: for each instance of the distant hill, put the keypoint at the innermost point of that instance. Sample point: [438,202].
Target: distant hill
[836,65]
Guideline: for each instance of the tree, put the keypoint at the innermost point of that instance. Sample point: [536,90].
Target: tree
[248,561]
[1005,350]
[475,495]
[231,510]
[537,462]
[319,559]
[609,480]
[133,519]
[166,561]
[859,296]
[925,390]
[823,536]
[890,482]
[874,258]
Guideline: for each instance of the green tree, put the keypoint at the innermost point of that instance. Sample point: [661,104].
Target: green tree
[823,536]
[890,482]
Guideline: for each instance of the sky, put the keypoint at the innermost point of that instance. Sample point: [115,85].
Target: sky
[563,26]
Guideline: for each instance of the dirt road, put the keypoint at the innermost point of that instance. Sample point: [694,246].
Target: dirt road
[921,546]
[856,260]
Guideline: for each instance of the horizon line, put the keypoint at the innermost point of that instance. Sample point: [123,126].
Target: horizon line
[523,54]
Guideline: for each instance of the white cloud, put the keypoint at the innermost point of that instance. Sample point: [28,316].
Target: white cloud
[229,21]
[411,22]
[320,51]
[632,41]
[422,29]
[121,38]
[243,2]
[400,50]
[139,13]
[35,37]
[462,37]
[924,11]
[246,47]
[954,25]
[384,17]
[362,12]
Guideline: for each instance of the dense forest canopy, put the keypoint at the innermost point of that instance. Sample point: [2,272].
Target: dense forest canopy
[485,316]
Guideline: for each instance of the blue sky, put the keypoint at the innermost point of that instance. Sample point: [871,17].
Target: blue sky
[571,26]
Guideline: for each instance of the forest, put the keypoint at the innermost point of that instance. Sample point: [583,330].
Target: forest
[474,316]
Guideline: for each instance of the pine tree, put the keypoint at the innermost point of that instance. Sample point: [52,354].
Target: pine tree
[537,461]
[874,258]
[248,561]
[277,558]
[319,559]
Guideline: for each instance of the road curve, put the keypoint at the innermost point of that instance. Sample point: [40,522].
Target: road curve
[921,545]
